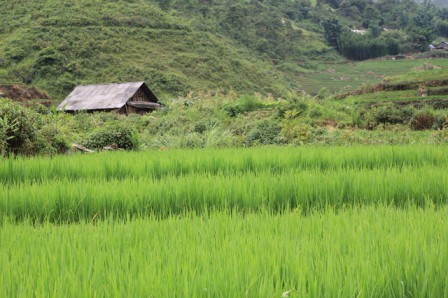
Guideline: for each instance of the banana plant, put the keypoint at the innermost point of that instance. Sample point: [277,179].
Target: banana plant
[7,130]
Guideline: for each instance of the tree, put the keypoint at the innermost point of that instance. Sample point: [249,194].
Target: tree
[371,15]
[165,4]
[442,27]
[422,29]
[235,20]
[375,29]
[332,31]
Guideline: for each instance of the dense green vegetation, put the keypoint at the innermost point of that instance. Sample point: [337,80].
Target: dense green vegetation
[179,45]
[222,121]
[57,45]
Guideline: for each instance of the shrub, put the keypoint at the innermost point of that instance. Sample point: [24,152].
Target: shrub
[423,120]
[297,106]
[323,93]
[358,119]
[265,133]
[105,117]
[315,113]
[440,122]
[200,127]
[388,114]
[119,135]
[246,103]
[83,122]
[52,140]
[18,130]
[296,132]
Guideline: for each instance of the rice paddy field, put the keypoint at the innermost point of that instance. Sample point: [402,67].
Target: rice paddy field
[261,222]
[346,77]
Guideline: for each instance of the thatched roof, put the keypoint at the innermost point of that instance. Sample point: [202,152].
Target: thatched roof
[102,97]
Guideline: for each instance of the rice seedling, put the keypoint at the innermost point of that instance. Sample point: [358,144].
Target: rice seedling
[159,164]
[355,252]
[76,188]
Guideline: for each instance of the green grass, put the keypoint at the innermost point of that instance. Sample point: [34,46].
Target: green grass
[356,252]
[76,188]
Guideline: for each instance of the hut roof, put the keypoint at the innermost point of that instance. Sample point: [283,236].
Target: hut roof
[442,45]
[102,97]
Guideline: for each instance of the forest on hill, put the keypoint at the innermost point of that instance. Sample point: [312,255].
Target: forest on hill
[184,45]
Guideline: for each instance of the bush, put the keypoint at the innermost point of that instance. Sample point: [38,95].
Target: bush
[440,122]
[299,107]
[18,128]
[389,114]
[423,120]
[246,103]
[265,133]
[117,135]
[52,140]
[315,113]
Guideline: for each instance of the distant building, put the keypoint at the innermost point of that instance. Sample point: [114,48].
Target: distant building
[124,98]
[358,31]
[442,46]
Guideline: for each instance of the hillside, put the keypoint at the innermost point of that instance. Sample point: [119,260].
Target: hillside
[179,46]
[57,45]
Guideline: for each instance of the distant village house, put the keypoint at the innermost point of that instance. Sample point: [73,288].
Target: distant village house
[358,31]
[124,98]
[442,46]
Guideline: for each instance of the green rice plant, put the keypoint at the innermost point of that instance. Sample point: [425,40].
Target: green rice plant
[166,183]
[355,252]
[74,201]
[176,163]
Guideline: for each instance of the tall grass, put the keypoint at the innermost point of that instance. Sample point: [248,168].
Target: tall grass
[76,188]
[356,252]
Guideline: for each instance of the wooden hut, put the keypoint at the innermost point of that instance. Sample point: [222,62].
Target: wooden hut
[123,98]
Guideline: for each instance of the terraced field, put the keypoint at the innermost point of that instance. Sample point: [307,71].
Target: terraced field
[350,76]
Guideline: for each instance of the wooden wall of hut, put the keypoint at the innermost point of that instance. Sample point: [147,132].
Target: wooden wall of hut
[140,95]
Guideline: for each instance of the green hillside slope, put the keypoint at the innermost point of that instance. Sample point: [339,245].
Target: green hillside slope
[57,44]
[179,46]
